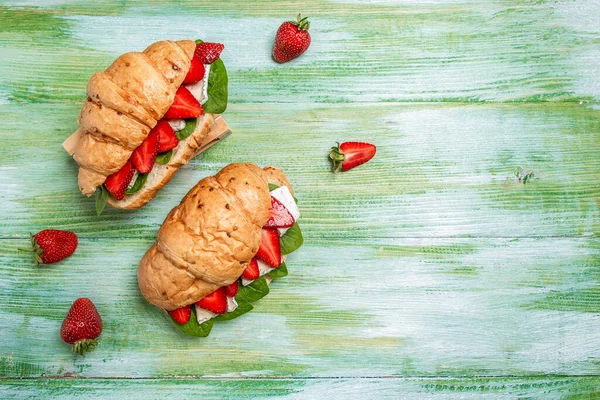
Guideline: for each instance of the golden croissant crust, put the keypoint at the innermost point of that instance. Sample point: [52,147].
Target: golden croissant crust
[208,240]
[124,103]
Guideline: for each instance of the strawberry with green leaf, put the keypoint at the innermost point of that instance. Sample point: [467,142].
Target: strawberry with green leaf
[82,326]
[52,245]
[292,39]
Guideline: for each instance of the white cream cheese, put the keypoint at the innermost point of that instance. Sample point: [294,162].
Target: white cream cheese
[263,268]
[135,175]
[283,195]
[203,315]
[177,124]
[231,304]
[200,89]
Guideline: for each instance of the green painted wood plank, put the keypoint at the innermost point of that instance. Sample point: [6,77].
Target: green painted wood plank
[440,170]
[551,387]
[371,307]
[464,51]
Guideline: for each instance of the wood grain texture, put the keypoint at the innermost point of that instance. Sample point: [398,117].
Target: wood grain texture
[435,270]
[440,171]
[334,388]
[406,307]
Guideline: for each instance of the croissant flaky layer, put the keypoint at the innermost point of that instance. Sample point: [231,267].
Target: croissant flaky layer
[124,103]
[208,240]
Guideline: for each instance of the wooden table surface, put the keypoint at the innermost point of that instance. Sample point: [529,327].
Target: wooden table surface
[435,270]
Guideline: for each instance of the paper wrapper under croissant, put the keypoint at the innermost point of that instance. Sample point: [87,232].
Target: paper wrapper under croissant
[208,240]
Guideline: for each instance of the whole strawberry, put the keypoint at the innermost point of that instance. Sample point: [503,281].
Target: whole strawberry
[82,326]
[52,245]
[291,40]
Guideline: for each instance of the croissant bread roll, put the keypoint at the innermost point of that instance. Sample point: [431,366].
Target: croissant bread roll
[207,241]
[124,103]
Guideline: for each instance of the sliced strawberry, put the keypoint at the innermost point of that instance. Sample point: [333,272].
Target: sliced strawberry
[196,72]
[144,155]
[279,216]
[208,53]
[232,289]
[269,250]
[167,139]
[215,302]
[185,105]
[351,154]
[117,183]
[251,272]
[181,315]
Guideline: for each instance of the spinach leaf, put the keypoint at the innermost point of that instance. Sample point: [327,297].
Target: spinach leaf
[101,197]
[193,328]
[279,272]
[292,239]
[217,89]
[254,291]
[140,181]
[242,308]
[190,125]
[164,158]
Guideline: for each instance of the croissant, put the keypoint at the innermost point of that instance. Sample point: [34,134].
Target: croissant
[123,107]
[209,240]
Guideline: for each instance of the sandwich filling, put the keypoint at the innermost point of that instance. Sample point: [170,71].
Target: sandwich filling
[204,89]
[280,236]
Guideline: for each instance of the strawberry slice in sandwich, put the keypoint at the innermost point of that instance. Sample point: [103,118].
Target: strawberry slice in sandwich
[221,247]
[155,110]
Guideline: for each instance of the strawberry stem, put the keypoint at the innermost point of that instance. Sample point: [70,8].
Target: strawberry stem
[301,23]
[83,345]
[337,157]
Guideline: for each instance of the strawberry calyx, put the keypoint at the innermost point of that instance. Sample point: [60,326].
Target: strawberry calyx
[337,157]
[83,345]
[36,250]
[301,23]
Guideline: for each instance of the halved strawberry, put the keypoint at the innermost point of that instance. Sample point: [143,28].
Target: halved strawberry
[167,139]
[215,302]
[280,216]
[231,290]
[185,105]
[196,72]
[269,250]
[251,272]
[144,155]
[348,155]
[181,315]
[208,53]
[117,183]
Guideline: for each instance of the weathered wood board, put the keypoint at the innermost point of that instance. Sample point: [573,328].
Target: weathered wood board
[435,270]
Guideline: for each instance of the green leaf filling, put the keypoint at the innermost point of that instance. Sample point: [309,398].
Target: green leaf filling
[164,158]
[190,125]
[140,181]
[242,308]
[217,89]
[193,328]
[278,272]
[101,196]
[254,291]
[292,239]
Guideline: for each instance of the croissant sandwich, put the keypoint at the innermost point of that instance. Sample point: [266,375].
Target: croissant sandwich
[220,248]
[145,116]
